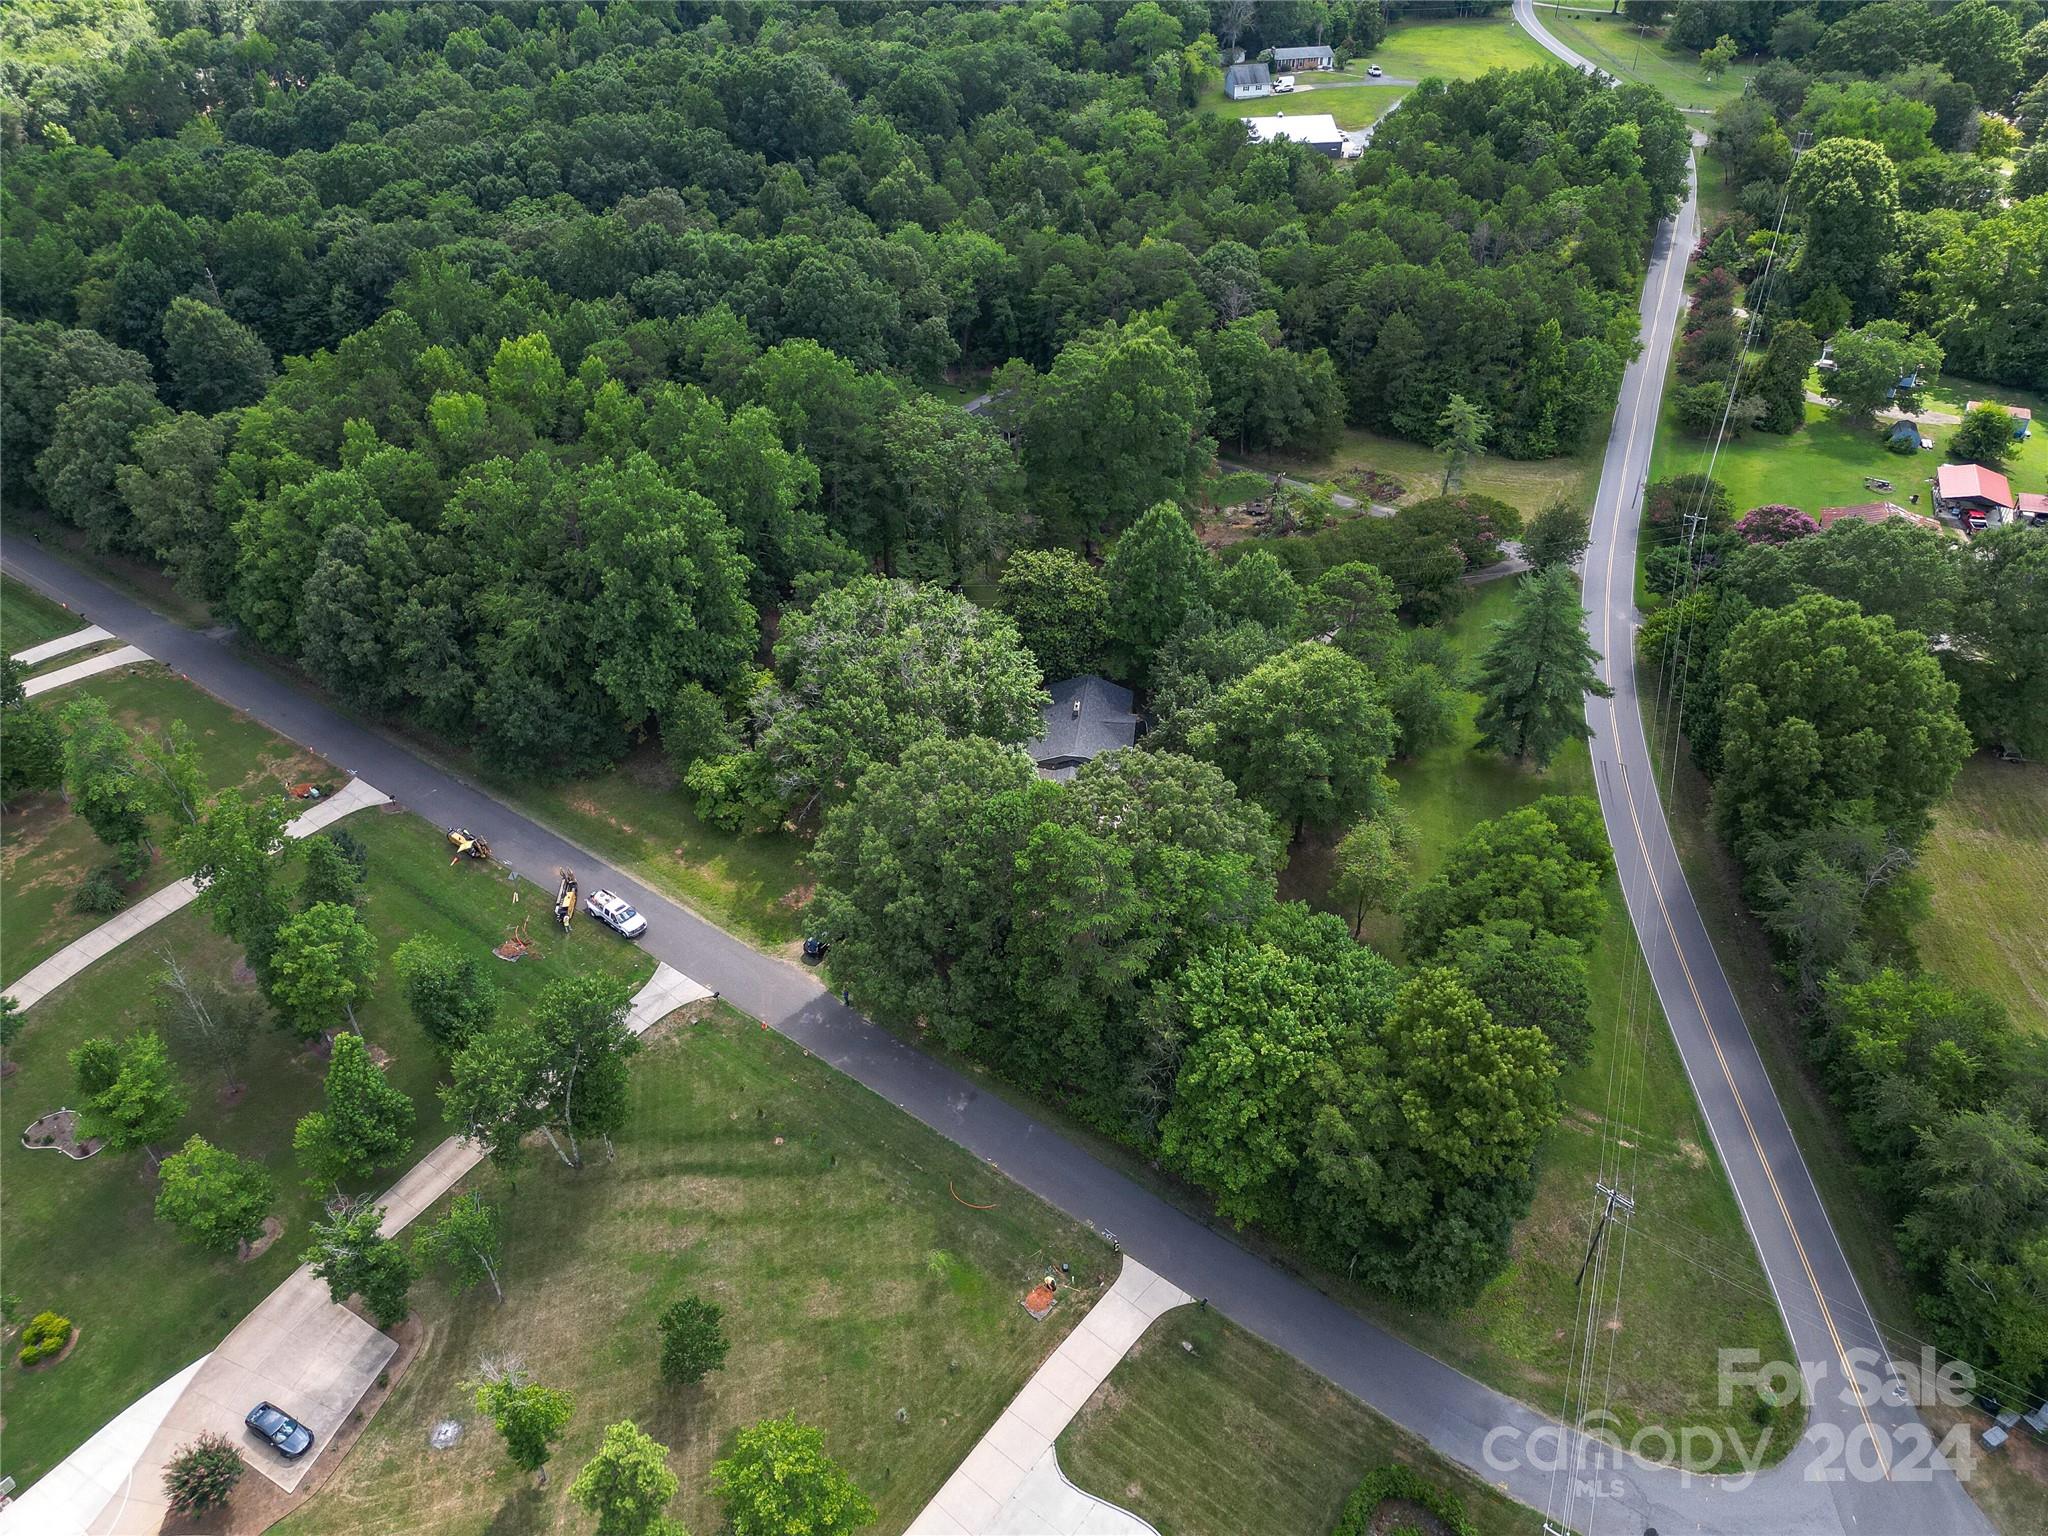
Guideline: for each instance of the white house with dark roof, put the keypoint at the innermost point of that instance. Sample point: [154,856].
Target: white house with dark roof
[1087,717]
[1243,82]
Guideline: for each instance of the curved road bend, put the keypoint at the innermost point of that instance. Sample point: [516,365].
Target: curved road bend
[1445,1407]
[1863,1433]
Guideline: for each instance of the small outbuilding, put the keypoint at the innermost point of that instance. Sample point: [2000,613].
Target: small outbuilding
[1907,434]
[1243,82]
[1295,60]
[2033,508]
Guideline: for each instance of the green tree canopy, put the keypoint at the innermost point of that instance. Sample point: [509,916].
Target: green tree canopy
[778,1479]
[1536,673]
[214,1198]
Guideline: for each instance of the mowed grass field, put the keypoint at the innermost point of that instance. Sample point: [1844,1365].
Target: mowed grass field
[1454,50]
[1826,463]
[1694,1281]
[82,1238]
[638,816]
[1239,1438]
[1986,866]
[838,1235]
[28,618]
[1353,106]
[1613,43]
[45,850]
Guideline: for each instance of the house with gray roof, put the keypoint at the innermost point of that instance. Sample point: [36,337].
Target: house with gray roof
[1241,82]
[1087,717]
[1286,59]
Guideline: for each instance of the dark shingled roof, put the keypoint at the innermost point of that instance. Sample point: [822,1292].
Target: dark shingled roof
[1246,74]
[1087,717]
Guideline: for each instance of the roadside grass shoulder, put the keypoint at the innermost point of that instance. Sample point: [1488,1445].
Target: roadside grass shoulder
[864,1265]
[637,816]
[1237,1437]
[1986,866]
[28,618]
[1677,1312]
[1618,47]
[45,850]
[83,1238]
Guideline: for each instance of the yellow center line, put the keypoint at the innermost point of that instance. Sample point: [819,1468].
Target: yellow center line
[1657,889]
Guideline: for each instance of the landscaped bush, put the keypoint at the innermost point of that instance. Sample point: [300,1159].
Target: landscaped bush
[203,1474]
[46,1335]
[100,893]
[1405,1483]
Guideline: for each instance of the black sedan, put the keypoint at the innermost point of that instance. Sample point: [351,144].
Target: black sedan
[286,1435]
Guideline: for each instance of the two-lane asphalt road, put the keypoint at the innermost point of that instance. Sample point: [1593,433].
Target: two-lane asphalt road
[1863,1433]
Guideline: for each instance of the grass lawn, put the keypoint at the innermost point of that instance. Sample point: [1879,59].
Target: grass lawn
[1530,484]
[1677,1311]
[45,850]
[1353,106]
[1615,46]
[1987,871]
[1825,464]
[1239,1437]
[1455,50]
[639,818]
[82,1238]
[28,618]
[821,1219]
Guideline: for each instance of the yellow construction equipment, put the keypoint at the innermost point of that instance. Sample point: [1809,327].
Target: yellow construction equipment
[565,898]
[466,845]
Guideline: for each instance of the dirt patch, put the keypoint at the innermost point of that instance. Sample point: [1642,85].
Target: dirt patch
[244,977]
[228,1095]
[58,1132]
[1694,1154]
[800,897]
[273,1229]
[258,1503]
[675,1022]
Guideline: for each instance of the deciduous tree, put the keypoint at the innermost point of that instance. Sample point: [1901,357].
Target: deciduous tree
[366,1122]
[355,1258]
[1061,606]
[778,1479]
[452,999]
[214,1198]
[627,1484]
[693,1341]
[530,1418]
[469,1240]
[322,965]
[128,1094]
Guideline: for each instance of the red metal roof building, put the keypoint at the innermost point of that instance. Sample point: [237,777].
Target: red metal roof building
[1973,494]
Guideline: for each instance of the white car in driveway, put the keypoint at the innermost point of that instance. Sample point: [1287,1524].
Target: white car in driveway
[617,914]
[1282,84]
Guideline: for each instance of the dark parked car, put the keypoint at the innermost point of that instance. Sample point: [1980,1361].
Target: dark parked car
[814,948]
[287,1436]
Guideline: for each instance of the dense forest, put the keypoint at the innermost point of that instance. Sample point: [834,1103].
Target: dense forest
[503,364]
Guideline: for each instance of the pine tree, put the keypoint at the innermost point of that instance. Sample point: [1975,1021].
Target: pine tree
[1533,678]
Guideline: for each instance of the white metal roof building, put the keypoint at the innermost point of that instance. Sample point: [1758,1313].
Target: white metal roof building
[1318,130]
